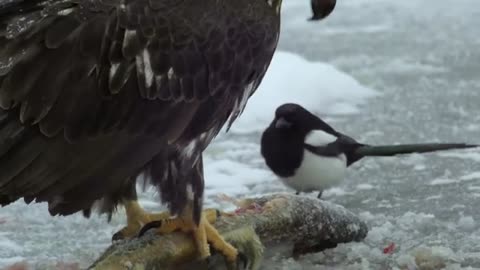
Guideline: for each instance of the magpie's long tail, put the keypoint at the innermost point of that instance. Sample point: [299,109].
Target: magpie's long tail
[392,150]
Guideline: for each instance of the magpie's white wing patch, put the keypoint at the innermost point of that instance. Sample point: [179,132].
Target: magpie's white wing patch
[319,137]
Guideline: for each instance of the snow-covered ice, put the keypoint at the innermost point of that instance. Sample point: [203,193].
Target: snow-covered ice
[383,71]
[293,79]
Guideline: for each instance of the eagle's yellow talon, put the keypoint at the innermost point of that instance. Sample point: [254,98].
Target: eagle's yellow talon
[201,240]
[137,217]
[203,234]
[219,243]
[211,214]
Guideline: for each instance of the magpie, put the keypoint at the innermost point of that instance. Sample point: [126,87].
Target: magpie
[309,155]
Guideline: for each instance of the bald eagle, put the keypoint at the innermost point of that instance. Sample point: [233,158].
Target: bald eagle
[94,93]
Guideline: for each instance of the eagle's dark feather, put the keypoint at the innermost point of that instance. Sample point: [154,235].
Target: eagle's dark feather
[97,92]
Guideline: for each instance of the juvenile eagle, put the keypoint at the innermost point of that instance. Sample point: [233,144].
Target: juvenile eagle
[96,92]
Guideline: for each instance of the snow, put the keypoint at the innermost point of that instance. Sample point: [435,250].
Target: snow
[11,260]
[5,243]
[383,71]
[442,181]
[475,156]
[468,177]
[466,223]
[365,187]
[224,175]
[293,79]
[471,176]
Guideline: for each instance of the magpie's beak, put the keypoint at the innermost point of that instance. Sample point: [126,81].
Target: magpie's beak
[282,123]
[321,9]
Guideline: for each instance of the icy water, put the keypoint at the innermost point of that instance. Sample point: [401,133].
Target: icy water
[383,71]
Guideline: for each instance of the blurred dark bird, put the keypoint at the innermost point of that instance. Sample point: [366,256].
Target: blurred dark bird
[321,8]
[97,92]
[309,155]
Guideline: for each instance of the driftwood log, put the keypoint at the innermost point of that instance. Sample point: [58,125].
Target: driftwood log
[283,224]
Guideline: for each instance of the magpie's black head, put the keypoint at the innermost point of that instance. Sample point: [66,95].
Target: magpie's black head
[293,118]
[283,141]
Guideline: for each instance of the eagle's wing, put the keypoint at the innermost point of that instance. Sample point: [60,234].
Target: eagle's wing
[67,64]
[87,74]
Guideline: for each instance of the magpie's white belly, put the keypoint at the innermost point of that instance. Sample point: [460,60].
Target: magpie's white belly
[317,173]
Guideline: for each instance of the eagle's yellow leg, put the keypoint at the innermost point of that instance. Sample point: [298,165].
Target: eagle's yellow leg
[203,233]
[137,217]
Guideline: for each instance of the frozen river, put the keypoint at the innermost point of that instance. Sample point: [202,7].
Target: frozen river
[383,71]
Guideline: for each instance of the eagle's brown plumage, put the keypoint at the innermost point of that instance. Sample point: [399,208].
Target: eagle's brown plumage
[97,92]
[94,93]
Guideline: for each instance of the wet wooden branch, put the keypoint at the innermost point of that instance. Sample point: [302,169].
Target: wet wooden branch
[299,224]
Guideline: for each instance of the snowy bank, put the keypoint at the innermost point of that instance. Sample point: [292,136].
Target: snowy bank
[319,87]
